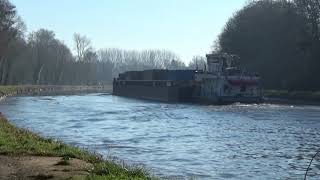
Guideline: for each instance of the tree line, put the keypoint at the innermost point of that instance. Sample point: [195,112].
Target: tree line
[40,58]
[279,39]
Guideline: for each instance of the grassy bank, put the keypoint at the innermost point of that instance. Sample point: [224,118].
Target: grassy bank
[4,90]
[19,142]
[52,89]
[293,95]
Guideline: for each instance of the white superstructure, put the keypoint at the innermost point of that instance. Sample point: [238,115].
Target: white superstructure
[223,82]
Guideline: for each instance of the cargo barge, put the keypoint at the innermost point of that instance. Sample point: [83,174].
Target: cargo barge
[220,82]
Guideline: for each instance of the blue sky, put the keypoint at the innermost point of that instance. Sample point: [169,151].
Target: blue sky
[186,27]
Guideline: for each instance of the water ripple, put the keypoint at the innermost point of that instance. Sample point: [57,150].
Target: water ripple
[180,141]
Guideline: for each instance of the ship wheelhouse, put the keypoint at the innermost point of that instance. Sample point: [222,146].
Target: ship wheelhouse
[224,82]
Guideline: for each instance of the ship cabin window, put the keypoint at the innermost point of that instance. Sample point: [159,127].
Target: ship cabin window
[233,71]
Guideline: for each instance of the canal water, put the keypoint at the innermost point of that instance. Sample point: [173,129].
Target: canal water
[180,141]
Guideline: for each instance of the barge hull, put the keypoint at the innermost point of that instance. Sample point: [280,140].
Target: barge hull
[166,94]
[176,94]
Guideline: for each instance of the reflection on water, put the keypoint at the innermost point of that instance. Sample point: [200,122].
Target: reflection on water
[181,140]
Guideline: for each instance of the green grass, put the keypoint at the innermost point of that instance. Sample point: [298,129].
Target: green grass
[15,141]
[19,142]
[304,95]
[27,89]
[8,89]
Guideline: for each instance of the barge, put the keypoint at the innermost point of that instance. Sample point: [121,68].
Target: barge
[221,82]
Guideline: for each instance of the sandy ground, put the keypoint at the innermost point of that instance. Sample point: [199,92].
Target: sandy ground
[40,168]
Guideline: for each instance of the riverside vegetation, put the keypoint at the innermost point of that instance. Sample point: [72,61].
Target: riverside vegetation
[298,95]
[19,142]
[52,90]
[279,39]
[15,142]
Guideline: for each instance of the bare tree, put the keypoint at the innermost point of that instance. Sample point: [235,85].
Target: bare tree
[8,32]
[311,9]
[197,62]
[8,18]
[82,46]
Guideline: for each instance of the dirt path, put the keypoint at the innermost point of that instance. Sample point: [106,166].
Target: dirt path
[40,168]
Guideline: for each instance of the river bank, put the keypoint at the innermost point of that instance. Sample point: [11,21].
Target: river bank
[51,90]
[291,97]
[25,155]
